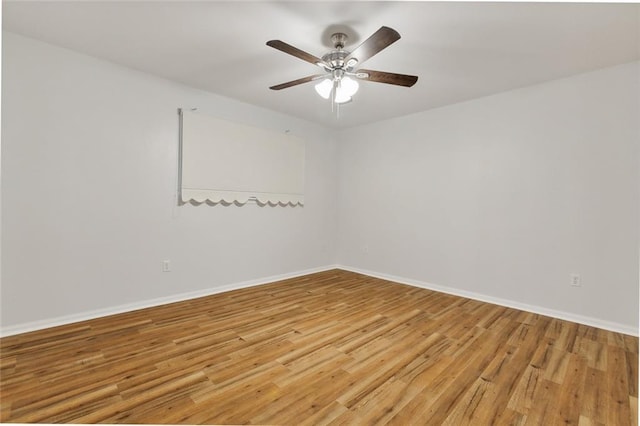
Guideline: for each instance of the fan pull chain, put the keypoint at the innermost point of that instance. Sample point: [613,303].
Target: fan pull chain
[334,90]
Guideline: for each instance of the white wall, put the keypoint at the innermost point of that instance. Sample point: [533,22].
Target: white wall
[505,196]
[89,178]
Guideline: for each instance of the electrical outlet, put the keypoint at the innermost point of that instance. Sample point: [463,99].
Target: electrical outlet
[365,248]
[575,280]
[166,266]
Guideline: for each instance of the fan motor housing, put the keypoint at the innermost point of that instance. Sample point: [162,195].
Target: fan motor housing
[336,58]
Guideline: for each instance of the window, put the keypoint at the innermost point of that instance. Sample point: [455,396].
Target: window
[222,161]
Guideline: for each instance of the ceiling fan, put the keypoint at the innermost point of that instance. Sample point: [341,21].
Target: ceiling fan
[341,67]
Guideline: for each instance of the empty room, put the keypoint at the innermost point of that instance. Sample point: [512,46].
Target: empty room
[409,213]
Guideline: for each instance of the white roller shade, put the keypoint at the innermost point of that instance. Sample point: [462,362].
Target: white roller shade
[232,162]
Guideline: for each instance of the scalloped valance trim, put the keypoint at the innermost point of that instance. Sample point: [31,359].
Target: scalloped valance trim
[240,197]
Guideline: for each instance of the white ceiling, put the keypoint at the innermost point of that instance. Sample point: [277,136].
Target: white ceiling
[459,50]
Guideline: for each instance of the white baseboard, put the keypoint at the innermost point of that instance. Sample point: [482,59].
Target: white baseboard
[83,316]
[594,322]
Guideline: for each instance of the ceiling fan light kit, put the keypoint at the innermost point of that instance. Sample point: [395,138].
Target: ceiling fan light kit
[340,79]
[342,89]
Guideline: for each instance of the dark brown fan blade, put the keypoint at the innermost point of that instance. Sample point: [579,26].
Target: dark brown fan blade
[296,82]
[294,51]
[389,78]
[381,39]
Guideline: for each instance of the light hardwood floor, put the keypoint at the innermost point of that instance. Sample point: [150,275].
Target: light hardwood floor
[334,347]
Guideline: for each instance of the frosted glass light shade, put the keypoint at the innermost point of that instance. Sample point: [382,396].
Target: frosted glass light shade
[348,86]
[345,90]
[324,88]
[341,97]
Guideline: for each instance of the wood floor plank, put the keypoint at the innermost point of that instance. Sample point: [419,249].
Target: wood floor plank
[569,399]
[505,372]
[594,396]
[522,399]
[446,390]
[632,372]
[325,416]
[334,347]
[385,364]
[48,408]
[618,387]
[556,367]
[594,351]
[384,402]
[160,389]
[545,407]
[301,400]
